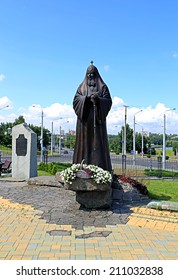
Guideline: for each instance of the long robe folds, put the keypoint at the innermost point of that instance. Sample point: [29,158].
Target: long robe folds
[92,142]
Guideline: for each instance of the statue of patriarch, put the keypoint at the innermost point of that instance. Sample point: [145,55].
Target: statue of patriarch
[92,103]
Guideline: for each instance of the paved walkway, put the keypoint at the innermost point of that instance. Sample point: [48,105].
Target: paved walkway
[40,222]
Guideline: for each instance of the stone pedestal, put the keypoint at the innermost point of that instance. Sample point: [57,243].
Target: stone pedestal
[90,194]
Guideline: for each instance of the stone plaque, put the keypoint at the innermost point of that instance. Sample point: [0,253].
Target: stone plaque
[21,145]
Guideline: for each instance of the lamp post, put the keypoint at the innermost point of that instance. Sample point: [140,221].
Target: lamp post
[41,138]
[142,138]
[122,140]
[134,154]
[1,109]
[52,139]
[60,137]
[125,123]
[52,134]
[4,107]
[164,139]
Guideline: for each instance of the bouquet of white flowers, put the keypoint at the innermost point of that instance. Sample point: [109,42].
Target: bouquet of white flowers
[96,173]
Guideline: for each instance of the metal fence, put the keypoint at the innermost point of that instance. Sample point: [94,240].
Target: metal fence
[120,164]
[136,168]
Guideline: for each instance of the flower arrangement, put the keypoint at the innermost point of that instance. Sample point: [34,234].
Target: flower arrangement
[142,188]
[96,173]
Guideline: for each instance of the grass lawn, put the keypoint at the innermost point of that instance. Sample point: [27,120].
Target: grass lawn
[43,173]
[157,189]
[162,189]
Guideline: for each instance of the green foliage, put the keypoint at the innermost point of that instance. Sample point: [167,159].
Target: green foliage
[167,157]
[46,135]
[43,173]
[159,152]
[114,143]
[5,150]
[162,189]
[164,173]
[5,138]
[129,138]
[175,146]
[138,143]
[69,141]
[156,139]
[169,153]
[53,167]
[19,120]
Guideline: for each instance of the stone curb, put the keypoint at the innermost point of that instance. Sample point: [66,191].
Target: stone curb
[44,181]
[163,205]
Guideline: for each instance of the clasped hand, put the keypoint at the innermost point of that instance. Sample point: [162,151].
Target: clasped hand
[94,96]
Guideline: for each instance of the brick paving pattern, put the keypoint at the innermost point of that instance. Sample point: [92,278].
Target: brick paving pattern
[39,222]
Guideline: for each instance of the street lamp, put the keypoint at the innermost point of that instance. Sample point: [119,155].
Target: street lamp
[142,138]
[41,138]
[60,137]
[125,123]
[134,154]
[164,139]
[4,107]
[1,109]
[52,137]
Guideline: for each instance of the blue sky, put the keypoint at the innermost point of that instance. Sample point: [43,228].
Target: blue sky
[46,46]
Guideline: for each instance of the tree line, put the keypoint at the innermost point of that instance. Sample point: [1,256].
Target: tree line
[151,141]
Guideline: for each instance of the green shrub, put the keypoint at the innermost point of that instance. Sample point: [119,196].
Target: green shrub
[167,157]
[163,173]
[53,167]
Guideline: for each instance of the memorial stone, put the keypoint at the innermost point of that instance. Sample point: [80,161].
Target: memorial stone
[24,152]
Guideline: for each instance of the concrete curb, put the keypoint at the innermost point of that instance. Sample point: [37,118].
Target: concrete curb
[163,205]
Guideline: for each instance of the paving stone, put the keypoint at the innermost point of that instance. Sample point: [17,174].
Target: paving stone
[59,232]
[94,234]
[29,213]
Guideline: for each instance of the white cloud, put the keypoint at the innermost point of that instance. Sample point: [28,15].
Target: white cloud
[2,77]
[5,105]
[4,101]
[175,55]
[58,114]
[117,102]
[151,118]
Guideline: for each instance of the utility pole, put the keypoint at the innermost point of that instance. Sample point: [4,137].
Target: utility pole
[164,139]
[125,125]
[134,151]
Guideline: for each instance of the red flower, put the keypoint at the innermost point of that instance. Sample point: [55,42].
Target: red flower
[88,171]
[142,188]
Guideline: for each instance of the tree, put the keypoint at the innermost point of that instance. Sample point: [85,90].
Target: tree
[175,146]
[19,120]
[70,141]
[138,143]
[46,135]
[5,137]
[156,139]
[129,138]
[115,141]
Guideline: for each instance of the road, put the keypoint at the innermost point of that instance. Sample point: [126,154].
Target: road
[139,162]
[145,163]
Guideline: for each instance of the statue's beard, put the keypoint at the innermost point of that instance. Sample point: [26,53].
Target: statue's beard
[91,83]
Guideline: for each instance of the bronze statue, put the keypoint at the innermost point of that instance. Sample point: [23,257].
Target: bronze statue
[92,103]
